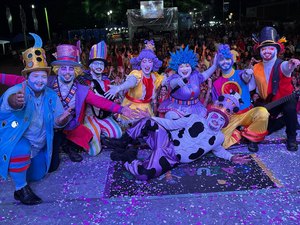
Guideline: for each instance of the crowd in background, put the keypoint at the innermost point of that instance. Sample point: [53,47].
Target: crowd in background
[203,41]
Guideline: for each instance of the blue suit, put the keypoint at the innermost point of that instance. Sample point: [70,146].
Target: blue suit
[14,124]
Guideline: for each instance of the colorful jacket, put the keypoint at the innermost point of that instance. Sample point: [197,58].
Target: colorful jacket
[14,124]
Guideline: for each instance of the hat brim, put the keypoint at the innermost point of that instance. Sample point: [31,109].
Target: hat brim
[269,44]
[98,59]
[65,62]
[226,117]
[26,71]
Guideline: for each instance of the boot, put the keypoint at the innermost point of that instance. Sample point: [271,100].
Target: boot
[27,196]
[252,146]
[291,145]
[148,127]
[122,142]
[127,156]
[72,153]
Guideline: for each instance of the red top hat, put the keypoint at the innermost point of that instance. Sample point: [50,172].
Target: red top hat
[66,55]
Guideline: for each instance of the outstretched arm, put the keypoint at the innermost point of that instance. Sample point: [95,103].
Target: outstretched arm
[115,89]
[207,73]
[110,106]
[11,79]
[288,67]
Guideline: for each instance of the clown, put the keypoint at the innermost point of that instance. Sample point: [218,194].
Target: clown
[75,96]
[181,141]
[29,113]
[253,120]
[100,122]
[272,80]
[142,83]
[185,86]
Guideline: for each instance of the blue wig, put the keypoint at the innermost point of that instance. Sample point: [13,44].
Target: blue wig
[181,56]
[224,52]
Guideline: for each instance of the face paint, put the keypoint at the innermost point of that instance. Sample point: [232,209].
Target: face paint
[147,66]
[268,52]
[97,67]
[37,80]
[184,70]
[225,64]
[66,74]
[215,121]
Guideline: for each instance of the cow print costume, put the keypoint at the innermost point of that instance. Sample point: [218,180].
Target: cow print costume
[176,141]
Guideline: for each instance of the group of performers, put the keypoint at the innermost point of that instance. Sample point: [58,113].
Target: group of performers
[42,114]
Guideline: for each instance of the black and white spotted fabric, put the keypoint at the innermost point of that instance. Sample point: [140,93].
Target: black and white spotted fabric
[192,138]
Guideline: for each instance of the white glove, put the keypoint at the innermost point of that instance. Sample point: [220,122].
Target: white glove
[111,93]
[247,75]
[129,83]
[177,82]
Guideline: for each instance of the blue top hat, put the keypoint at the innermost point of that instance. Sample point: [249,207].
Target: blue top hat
[269,37]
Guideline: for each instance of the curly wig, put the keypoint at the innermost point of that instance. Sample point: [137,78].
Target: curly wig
[78,71]
[224,51]
[147,53]
[183,56]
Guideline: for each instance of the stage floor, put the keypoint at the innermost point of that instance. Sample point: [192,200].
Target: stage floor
[75,195]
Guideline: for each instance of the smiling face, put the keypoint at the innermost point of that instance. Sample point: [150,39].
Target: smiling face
[215,121]
[225,64]
[184,70]
[97,67]
[37,80]
[268,52]
[147,66]
[66,73]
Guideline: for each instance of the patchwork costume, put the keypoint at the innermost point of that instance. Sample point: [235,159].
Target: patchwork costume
[142,83]
[74,94]
[184,97]
[254,121]
[99,122]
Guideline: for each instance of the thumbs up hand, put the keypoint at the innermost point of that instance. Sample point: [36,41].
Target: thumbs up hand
[17,100]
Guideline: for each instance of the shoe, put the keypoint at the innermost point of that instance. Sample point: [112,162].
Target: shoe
[252,146]
[122,142]
[74,156]
[148,127]
[291,146]
[127,156]
[27,196]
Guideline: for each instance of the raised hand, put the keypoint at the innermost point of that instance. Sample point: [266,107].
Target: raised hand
[17,100]
[215,62]
[239,159]
[293,64]
[111,93]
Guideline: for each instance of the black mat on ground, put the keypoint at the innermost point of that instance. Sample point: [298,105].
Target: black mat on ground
[208,174]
